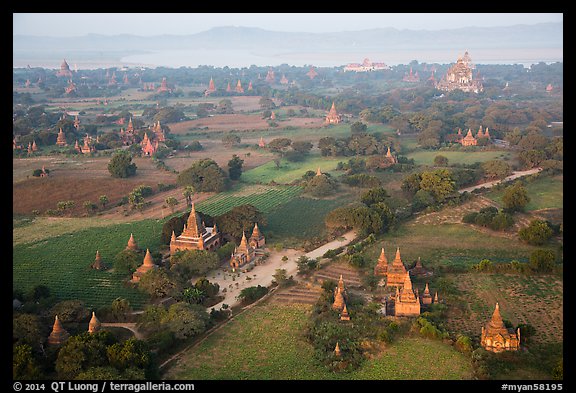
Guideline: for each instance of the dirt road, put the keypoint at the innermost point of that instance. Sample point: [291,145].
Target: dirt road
[262,274]
[513,176]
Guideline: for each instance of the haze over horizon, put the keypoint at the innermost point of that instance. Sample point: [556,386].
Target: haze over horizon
[79,24]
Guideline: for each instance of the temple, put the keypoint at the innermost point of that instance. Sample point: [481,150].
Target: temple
[411,77]
[312,73]
[549,88]
[381,268]
[426,296]
[283,80]
[94,325]
[270,78]
[164,87]
[98,264]
[407,302]
[148,147]
[71,88]
[366,66]
[61,139]
[196,236]
[146,266]
[390,158]
[132,244]
[470,140]
[459,77]
[337,351]
[249,250]
[261,142]
[344,316]
[332,117]
[338,304]
[58,335]
[396,273]
[64,70]
[211,88]
[239,88]
[420,270]
[250,88]
[228,88]
[496,337]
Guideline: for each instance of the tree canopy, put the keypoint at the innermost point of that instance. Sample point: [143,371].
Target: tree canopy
[204,175]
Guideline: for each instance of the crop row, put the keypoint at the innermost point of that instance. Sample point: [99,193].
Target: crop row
[264,202]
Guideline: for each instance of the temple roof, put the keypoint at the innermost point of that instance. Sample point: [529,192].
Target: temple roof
[193,227]
[148,260]
[94,324]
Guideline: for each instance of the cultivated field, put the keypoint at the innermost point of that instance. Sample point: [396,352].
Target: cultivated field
[545,193]
[458,157]
[535,300]
[267,343]
[289,171]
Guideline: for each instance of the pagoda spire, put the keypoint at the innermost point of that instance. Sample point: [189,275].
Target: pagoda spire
[148,261]
[58,334]
[397,259]
[496,321]
[256,231]
[426,290]
[344,316]
[337,351]
[94,325]
[132,243]
[319,172]
[193,229]
[243,243]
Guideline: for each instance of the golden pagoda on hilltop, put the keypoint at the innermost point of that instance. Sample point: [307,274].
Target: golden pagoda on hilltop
[459,77]
[332,117]
[196,236]
[396,273]
[58,335]
[146,266]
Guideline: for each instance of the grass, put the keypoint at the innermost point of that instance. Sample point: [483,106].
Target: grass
[289,171]
[299,219]
[267,343]
[448,244]
[427,157]
[545,193]
[264,198]
[62,262]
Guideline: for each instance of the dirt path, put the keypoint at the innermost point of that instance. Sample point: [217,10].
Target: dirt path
[262,274]
[125,325]
[513,176]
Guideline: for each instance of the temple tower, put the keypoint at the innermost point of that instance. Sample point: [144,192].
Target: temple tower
[94,325]
[58,335]
[146,266]
[132,245]
[495,336]
[396,272]
[381,267]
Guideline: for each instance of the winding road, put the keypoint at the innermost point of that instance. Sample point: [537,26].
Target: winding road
[513,176]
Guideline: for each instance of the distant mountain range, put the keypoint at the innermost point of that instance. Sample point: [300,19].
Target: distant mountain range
[543,35]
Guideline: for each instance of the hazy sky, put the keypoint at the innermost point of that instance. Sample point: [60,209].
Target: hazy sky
[71,24]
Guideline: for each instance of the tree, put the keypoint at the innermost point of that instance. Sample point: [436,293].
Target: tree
[235,167]
[542,261]
[70,311]
[193,295]
[515,197]
[90,207]
[103,200]
[188,263]
[279,145]
[440,160]
[251,294]
[121,165]
[537,233]
[225,107]
[28,329]
[204,175]
[320,186]
[439,183]
[187,193]
[24,365]
[231,140]
[158,283]
[120,309]
[374,195]
[358,128]
[130,353]
[81,352]
[126,262]
[266,103]
[240,219]
[186,320]
[171,202]
[208,288]
[496,169]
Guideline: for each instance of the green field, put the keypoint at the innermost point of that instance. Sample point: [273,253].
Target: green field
[448,244]
[62,262]
[267,343]
[264,198]
[300,219]
[457,157]
[545,193]
[289,171]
